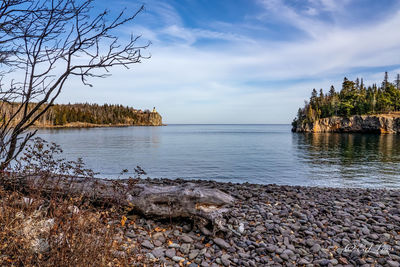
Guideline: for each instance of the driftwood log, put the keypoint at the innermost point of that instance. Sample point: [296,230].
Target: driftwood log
[186,200]
[201,204]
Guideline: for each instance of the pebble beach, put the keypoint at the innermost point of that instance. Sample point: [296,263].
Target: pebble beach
[274,225]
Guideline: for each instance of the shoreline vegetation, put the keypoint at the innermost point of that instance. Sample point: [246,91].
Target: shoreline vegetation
[90,115]
[90,125]
[355,108]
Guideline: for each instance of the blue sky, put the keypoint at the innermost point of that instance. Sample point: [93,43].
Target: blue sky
[246,61]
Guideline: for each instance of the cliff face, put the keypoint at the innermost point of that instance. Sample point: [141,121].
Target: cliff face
[381,123]
[149,119]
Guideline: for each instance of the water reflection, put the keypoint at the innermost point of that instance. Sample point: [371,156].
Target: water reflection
[351,159]
[237,153]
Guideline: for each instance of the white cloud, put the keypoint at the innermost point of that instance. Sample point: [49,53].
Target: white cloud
[211,83]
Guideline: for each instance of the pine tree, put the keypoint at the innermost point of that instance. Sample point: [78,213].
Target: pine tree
[385,81]
[332,91]
[397,81]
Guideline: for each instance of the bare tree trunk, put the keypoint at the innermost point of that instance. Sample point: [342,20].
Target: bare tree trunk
[44,42]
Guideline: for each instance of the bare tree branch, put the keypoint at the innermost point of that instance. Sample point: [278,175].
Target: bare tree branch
[46,42]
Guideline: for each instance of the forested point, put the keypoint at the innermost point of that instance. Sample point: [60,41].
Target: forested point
[354,98]
[91,114]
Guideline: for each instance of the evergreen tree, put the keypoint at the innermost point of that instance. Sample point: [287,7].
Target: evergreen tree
[332,91]
[353,99]
[385,81]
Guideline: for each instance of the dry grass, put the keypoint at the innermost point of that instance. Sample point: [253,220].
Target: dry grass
[39,228]
[58,232]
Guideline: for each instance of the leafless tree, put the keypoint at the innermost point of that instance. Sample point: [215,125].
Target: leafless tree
[42,44]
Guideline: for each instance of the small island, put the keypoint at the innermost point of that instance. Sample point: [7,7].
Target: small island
[354,109]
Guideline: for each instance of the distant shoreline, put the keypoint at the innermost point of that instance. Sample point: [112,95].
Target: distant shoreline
[78,125]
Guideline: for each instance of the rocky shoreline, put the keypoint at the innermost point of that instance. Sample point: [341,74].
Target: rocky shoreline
[271,225]
[379,123]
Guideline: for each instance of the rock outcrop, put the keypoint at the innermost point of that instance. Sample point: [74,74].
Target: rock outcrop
[149,119]
[380,123]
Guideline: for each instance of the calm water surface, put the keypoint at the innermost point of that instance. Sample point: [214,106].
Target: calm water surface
[237,153]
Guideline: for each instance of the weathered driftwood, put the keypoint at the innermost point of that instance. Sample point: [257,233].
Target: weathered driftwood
[185,200]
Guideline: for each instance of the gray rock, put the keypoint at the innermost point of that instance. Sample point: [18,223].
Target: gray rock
[225,260]
[130,234]
[158,252]
[177,258]
[159,236]
[393,263]
[315,248]
[288,252]
[150,256]
[147,244]
[185,248]
[170,253]
[221,243]
[334,261]
[271,248]
[303,262]
[322,262]
[157,243]
[186,228]
[284,256]
[186,239]
[205,231]
[365,231]
[244,255]
[310,242]
[193,254]
[174,245]
[374,236]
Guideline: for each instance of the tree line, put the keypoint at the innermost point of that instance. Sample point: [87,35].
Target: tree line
[93,113]
[62,114]
[354,98]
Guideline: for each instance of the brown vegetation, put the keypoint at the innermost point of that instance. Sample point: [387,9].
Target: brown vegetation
[43,228]
[37,231]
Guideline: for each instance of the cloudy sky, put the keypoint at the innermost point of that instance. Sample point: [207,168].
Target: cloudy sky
[247,61]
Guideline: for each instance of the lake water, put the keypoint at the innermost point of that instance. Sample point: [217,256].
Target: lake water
[237,153]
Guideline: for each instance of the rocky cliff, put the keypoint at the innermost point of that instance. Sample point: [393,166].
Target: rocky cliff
[381,123]
[149,119]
